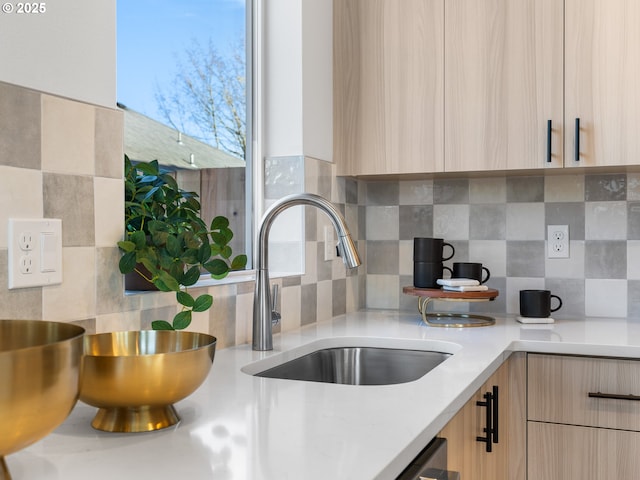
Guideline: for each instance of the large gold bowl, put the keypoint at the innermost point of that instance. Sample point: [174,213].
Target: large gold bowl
[39,376]
[135,377]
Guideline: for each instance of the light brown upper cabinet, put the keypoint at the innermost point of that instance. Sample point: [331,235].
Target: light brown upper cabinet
[602,82]
[425,86]
[388,86]
[503,84]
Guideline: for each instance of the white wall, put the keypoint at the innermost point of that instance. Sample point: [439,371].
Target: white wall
[69,50]
[317,73]
[282,78]
[298,88]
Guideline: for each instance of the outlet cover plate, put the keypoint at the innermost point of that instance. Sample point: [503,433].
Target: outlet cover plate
[35,252]
[558,241]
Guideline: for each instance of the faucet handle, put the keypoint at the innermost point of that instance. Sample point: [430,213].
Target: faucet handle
[275,315]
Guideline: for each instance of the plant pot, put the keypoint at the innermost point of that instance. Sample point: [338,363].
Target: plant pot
[135,281]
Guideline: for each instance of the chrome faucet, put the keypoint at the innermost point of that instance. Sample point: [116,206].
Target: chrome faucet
[262,308]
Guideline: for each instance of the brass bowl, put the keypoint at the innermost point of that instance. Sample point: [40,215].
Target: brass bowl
[39,376]
[135,377]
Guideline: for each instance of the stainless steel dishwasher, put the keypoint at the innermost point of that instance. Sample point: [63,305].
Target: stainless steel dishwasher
[430,464]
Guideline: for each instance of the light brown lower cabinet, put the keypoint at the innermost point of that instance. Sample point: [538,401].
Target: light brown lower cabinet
[570,452]
[506,460]
[584,418]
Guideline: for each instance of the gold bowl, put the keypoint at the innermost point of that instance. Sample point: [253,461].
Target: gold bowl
[39,376]
[135,377]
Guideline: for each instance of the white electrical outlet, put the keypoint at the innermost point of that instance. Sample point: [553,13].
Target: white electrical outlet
[558,241]
[35,252]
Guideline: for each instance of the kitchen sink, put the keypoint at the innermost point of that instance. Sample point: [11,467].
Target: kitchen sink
[359,365]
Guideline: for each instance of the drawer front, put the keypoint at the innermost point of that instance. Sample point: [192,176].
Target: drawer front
[559,387]
[568,452]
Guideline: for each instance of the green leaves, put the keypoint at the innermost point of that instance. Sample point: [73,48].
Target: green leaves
[161,325]
[183,319]
[203,303]
[219,222]
[167,237]
[185,299]
[127,262]
[217,267]
[239,263]
[191,276]
[166,282]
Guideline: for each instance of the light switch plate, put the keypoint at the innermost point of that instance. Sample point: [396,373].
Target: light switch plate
[35,252]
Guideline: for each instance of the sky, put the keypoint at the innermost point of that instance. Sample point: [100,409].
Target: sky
[152,33]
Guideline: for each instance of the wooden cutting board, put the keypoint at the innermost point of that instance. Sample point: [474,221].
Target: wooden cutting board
[439,293]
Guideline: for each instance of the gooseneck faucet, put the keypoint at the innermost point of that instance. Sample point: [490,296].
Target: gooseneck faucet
[262,326]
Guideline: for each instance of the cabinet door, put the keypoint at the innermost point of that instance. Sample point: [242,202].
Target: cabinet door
[584,391]
[506,461]
[602,81]
[503,83]
[388,93]
[569,452]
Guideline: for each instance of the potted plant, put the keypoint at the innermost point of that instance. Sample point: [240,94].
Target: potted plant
[167,244]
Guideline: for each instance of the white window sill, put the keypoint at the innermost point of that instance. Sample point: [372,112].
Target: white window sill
[232,278]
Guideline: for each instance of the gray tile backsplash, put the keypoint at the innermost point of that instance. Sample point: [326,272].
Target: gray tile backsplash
[382,257]
[633,298]
[383,193]
[605,187]
[64,159]
[633,220]
[606,259]
[415,221]
[451,191]
[571,291]
[567,213]
[20,124]
[525,189]
[525,258]
[501,222]
[109,137]
[487,222]
[70,198]
[350,187]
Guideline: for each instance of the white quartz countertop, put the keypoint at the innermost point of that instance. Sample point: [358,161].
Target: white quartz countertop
[238,426]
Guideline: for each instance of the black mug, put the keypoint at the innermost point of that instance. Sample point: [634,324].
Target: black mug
[430,250]
[537,303]
[426,274]
[470,270]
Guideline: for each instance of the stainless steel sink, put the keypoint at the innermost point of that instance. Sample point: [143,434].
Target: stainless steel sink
[359,366]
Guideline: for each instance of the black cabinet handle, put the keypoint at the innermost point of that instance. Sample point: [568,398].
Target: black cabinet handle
[491,419]
[548,141]
[488,438]
[494,427]
[577,152]
[614,396]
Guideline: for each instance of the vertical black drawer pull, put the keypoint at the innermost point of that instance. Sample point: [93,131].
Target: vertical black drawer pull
[488,438]
[577,152]
[548,141]
[491,418]
[614,396]
[494,427]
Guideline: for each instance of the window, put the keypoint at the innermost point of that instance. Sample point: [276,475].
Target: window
[182,84]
